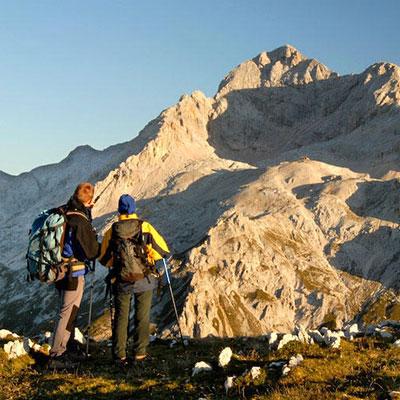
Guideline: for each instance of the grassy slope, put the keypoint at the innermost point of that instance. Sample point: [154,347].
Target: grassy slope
[365,368]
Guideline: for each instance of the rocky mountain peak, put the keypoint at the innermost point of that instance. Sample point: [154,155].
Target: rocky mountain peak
[287,54]
[284,66]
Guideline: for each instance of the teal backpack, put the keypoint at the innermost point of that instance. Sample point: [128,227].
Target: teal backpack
[46,242]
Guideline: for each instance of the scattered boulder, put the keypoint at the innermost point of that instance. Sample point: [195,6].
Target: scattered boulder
[276,364]
[287,338]
[323,330]
[303,336]
[370,330]
[386,335]
[15,349]
[285,370]
[30,345]
[316,336]
[397,343]
[201,366]
[78,336]
[4,334]
[332,339]
[272,338]
[229,382]
[255,372]
[296,360]
[351,331]
[394,395]
[225,357]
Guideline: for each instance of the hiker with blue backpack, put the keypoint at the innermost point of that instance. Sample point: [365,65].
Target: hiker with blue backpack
[131,248]
[62,244]
[80,248]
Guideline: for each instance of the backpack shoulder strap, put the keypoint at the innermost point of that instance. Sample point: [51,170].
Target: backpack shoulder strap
[77,213]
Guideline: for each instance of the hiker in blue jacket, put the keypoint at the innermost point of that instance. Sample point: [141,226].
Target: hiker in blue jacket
[80,247]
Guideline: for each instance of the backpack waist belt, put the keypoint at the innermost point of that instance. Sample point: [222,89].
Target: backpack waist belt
[74,264]
[78,267]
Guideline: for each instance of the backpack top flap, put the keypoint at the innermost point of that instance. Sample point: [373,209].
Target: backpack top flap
[129,251]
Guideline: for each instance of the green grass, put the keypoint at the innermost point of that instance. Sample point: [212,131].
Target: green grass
[363,369]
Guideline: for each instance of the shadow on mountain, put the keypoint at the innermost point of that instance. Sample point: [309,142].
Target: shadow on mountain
[372,256]
[267,125]
[185,217]
[377,199]
[311,192]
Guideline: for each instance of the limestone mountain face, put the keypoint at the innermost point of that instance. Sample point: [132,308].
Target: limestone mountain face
[291,250]
[279,197]
[284,66]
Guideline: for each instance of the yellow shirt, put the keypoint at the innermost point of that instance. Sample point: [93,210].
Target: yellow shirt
[156,243]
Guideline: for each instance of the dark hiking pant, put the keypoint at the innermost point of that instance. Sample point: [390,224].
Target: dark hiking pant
[70,302]
[142,306]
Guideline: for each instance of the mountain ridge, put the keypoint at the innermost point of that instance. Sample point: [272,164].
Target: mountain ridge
[260,190]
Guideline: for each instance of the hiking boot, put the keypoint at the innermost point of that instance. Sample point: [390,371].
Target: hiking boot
[121,362]
[141,357]
[62,362]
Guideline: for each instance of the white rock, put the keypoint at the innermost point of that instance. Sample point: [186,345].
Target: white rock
[5,333]
[229,383]
[224,357]
[272,338]
[394,394]
[15,349]
[255,372]
[276,364]
[287,338]
[397,343]
[370,330]
[285,370]
[351,331]
[299,358]
[303,336]
[78,336]
[316,336]
[201,366]
[36,347]
[28,344]
[294,361]
[323,330]
[332,339]
[386,335]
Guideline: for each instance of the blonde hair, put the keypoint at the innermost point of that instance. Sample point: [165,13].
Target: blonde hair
[84,192]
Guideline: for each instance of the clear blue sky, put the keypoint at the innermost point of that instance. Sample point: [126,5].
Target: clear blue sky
[95,72]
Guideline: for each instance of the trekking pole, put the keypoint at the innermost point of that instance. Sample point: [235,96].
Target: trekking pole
[90,308]
[173,301]
[116,175]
